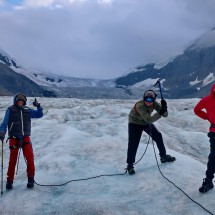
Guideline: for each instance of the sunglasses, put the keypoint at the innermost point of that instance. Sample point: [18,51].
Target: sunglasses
[149,99]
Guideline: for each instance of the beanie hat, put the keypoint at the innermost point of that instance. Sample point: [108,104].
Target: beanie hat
[150,93]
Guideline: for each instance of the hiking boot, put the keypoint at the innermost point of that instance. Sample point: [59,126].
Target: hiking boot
[9,185]
[167,158]
[130,170]
[30,183]
[206,185]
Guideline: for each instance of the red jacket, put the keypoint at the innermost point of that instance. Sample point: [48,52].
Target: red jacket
[207,103]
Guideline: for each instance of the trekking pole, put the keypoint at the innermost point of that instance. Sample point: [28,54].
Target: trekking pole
[17,166]
[159,84]
[2,165]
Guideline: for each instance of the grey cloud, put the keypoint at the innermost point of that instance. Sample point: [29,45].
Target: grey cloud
[90,40]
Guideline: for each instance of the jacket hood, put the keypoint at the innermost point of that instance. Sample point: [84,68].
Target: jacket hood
[19,96]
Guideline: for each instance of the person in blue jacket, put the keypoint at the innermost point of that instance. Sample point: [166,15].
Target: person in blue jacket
[17,121]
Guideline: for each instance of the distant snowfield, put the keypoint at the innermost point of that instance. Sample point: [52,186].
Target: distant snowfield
[83,138]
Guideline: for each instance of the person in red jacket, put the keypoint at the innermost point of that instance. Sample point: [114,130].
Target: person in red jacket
[205,109]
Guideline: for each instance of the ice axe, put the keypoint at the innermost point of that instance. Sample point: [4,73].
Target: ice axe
[159,84]
[2,165]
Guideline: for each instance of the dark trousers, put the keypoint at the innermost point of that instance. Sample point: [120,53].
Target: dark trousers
[211,158]
[134,135]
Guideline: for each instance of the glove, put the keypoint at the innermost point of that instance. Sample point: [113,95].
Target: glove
[36,103]
[2,135]
[163,103]
[163,110]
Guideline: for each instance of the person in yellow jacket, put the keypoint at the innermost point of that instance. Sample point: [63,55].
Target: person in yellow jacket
[141,119]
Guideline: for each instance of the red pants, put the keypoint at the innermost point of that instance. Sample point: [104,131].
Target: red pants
[28,154]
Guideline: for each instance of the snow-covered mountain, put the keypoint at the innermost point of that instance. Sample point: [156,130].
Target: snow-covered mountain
[15,78]
[12,82]
[61,85]
[51,80]
[6,59]
[189,74]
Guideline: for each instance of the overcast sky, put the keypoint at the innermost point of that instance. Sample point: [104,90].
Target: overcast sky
[100,38]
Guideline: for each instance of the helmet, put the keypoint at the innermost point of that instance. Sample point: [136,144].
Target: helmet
[20,96]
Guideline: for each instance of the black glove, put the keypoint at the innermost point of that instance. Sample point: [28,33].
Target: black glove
[163,110]
[2,135]
[36,103]
[163,103]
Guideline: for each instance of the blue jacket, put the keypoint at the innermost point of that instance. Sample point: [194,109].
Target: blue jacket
[33,114]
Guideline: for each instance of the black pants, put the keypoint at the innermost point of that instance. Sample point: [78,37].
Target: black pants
[134,135]
[211,158]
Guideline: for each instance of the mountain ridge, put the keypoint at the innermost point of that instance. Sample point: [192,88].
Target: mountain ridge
[189,74]
[12,82]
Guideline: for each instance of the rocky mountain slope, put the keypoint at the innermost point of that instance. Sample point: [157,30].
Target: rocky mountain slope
[190,74]
[12,82]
